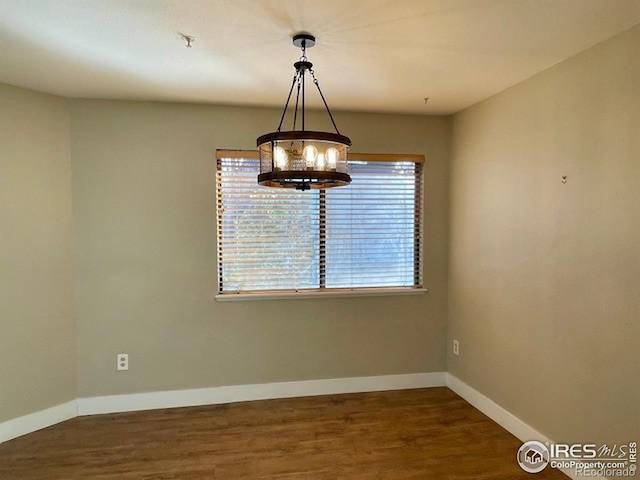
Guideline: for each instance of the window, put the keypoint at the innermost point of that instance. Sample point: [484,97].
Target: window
[363,236]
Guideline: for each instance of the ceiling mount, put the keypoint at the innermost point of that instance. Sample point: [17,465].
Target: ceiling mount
[304,40]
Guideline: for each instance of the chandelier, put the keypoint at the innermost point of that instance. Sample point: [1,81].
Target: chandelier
[303,159]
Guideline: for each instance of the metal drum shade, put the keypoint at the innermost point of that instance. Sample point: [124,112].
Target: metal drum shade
[303,159]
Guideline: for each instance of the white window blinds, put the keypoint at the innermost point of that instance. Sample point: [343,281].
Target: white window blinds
[364,235]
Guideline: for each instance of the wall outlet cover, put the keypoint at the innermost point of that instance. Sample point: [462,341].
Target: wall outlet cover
[122,362]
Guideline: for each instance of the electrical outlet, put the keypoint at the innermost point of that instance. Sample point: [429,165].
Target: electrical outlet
[122,361]
[456,347]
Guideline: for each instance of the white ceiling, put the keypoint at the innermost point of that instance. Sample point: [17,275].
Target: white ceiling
[373,55]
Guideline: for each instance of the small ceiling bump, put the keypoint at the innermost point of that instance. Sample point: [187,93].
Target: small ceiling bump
[188,39]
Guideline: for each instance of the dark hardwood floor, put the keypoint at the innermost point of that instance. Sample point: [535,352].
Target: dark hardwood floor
[409,434]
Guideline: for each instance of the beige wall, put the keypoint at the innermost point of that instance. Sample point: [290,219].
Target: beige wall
[145,263]
[37,340]
[545,277]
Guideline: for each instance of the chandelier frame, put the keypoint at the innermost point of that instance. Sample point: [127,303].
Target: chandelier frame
[303,159]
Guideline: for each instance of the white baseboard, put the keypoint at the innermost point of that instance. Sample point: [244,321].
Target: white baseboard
[502,417]
[495,412]
[264,391]
[32,422]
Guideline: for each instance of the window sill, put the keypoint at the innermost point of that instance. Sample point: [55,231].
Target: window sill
[337,293]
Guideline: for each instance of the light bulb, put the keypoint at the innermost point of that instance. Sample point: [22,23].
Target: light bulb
[310,154]
[332,158]
[280,157]
[320,163]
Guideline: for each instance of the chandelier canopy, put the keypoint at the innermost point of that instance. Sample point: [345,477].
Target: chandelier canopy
[303,159]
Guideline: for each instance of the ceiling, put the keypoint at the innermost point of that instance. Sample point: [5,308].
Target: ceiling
[372,55]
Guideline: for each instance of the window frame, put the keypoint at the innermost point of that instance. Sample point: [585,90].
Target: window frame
[322,291]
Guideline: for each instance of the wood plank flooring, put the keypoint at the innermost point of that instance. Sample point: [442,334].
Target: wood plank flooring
[409,434]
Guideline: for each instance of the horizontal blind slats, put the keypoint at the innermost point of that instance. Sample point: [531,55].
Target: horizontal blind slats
[366,234]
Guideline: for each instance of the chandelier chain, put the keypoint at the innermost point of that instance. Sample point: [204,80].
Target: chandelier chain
[315,81]
[286,105]
[299,79]
[295,110]
[303,91]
